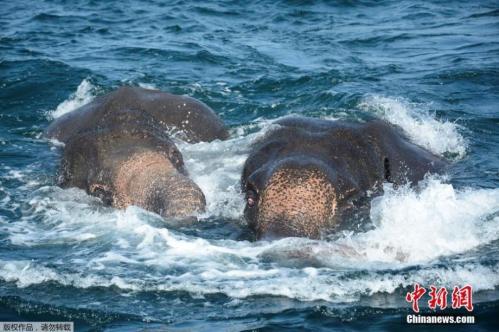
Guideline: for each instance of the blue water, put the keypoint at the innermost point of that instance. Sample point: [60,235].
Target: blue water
[430,67]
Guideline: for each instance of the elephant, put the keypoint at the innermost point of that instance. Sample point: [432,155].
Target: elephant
[119,147]
[302,178]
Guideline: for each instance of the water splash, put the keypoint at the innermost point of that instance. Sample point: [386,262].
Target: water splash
[216,167]
[84,94]
[446,220]
[440,137]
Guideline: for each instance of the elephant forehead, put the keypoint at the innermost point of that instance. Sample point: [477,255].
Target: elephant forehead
[136,176]
[296,191]
[142,162]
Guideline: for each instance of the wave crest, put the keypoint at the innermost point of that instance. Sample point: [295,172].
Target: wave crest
[84,94]
[440,137]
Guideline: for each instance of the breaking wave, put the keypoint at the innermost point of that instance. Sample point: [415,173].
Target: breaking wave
[84,94]
[440,137]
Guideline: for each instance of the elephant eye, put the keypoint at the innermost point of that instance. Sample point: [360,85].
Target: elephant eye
[176,158]
[251,197]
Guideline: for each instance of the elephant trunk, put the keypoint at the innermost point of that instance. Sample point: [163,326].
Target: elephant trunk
[150,180]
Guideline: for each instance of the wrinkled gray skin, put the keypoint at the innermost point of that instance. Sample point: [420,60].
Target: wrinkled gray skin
[117,148]
[302,177]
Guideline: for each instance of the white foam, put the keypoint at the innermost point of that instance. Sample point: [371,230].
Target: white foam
[27,273]
[308,284]
[417,226]
[148,86]
[440,137]
[217,166]
[84,94]
[413,228]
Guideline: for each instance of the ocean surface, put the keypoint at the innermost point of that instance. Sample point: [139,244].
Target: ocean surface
[430,67]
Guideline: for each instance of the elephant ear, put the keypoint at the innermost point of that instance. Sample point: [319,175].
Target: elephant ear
[402,161]
[79,162]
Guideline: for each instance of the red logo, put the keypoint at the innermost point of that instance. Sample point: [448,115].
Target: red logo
[461,297]
[438,299]
[415,296]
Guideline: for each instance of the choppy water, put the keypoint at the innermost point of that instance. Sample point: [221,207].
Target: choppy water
[430,67]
